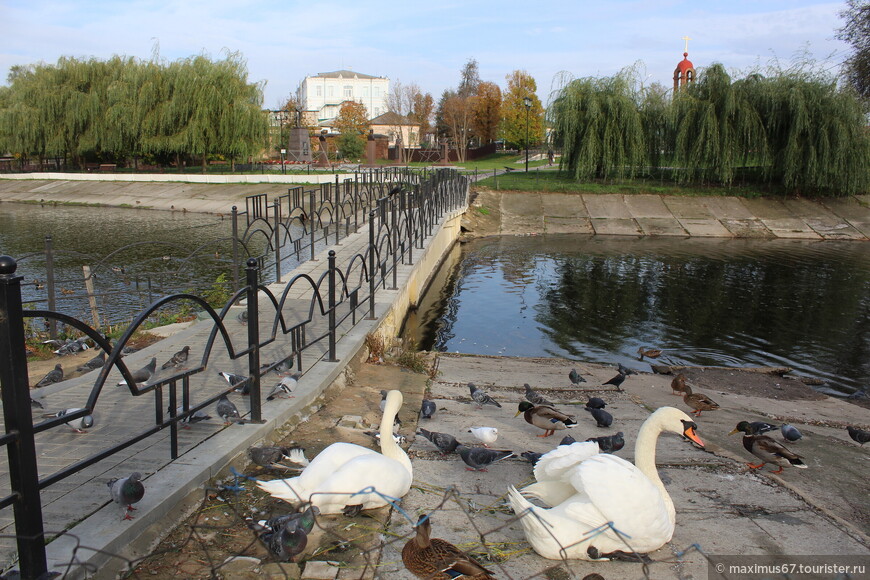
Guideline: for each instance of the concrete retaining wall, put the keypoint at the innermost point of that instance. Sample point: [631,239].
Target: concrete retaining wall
[154,177]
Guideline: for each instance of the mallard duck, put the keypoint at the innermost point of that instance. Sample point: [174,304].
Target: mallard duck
[437,559]
[588,489]
[545,417]
[678,385]
[330,480]
[699,401]
[649,352]
[767,450]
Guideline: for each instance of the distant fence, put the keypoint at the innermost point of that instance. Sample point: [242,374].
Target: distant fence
[398,221]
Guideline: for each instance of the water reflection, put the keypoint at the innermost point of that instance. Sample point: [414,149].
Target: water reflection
[704,302]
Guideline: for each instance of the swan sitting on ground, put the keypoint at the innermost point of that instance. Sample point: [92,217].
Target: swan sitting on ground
[333,479]
[603,488]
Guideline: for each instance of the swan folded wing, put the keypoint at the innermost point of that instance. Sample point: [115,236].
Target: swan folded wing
[551,493]
[554,465]
[626,497]
[385,475]
[329,460]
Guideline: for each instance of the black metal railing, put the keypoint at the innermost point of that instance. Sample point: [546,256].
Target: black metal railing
[279,327]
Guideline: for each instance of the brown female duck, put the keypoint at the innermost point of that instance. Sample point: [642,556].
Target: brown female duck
[678,385]
[545,417]
[698,401]
[649,352]
[437,559]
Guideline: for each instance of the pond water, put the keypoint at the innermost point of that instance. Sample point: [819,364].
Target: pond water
[725,302]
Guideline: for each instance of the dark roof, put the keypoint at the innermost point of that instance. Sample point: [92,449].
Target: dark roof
[344,74]
[391,118]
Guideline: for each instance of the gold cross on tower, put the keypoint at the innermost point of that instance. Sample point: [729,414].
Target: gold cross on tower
[687,39]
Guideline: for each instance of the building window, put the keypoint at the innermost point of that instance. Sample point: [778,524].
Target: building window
[319,91]
[348,91]
[365,92]
[329,91]
[377,92]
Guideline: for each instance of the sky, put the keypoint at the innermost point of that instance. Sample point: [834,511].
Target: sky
[428,43]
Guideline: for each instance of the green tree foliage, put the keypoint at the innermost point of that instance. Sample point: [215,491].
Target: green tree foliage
[856,31]
[515,114]
[122,108]
[353,125]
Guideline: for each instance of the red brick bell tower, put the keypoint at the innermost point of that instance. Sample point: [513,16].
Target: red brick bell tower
[685,71]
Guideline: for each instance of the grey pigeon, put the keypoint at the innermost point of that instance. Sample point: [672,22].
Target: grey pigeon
[383,403]
[95,363]
[234,380]
[858,435]
[285,387]
[625,370]
[531,456]
[790,432]
[286,543]
[596,403]
[78,425]
[479,458]
[141,376]
[270,456]
[602,417]
[126,491]
[227,411]
[617,380]
[444,442]
[534,397]
[304,520]
[70,346]
[427,409]
[34,404]
[195,417]
[575,377]
[243,317]
[178,359]
[481,397]
[53,376]
[567,440]
[609,443]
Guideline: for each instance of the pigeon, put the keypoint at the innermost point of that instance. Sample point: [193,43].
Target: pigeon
[126,491]
[53,376]
[178,359]
[286,543]
[617,380]
[282,368]
[858,435]
[304,520]
[195,417]
[485,435]
[383,403]
[78,425]
[70,346]
[575,377]
[531,456]
[478,458]
[234,380]
[285,387]
[534,397]
[444,442]
[625,370]
[243,317]
[609,443]
[95,363]
[142,375]
[596,403]
[567,440]
[790,432]
[427,409]
[270,456]
[376,435]
[602,417]
[227,411]
[34,404]
[480,397]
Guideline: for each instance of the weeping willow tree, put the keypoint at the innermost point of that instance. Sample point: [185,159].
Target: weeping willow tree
[716,129]
[597,124]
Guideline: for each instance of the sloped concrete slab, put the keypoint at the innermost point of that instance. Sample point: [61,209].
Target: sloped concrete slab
[647,206]
[607,206]
[747,227]
[616,227]
[661,226]
[705,228]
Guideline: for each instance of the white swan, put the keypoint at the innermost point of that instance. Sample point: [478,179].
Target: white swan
[605,489]
[333,478]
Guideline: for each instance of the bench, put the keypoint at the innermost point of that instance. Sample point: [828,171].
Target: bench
[107,167]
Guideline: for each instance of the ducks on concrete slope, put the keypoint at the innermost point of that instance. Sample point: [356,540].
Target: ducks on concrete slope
[699,401]
[767,450]
[545,417]
[599,489]
[332,478]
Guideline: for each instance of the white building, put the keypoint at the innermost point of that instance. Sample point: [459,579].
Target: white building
[321,95]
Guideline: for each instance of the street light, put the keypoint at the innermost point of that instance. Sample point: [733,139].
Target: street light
[283,167]
[528,103]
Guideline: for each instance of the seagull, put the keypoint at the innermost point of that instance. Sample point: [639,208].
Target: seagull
[481,397]
[790,432]
[596,403]
[178,359]
[575,377]
[234,380]
[227,411]
[534,397]
[95,363]
[78,425]
[609,443]
[53,376]
[602,417]
[142,375]
[285,387]
[427,409]
[126,491]
[445,442]
[858,435]
[479,458]
[485,435]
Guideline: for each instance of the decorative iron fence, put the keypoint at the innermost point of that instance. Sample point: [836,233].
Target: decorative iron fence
[283,328]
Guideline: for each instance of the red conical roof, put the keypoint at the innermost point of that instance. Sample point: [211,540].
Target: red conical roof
[685,64]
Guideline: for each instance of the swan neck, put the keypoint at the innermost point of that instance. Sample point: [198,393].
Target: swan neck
[389,447]
[645,457]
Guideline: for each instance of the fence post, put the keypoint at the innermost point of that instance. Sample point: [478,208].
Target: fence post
[235,249]
[254,339]
[49,285]
[23,471]
[311,220]
[277,229]
[371,264]
[332,329]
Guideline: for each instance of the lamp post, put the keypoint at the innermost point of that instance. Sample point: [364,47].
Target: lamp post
[283,167]
[528,103]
